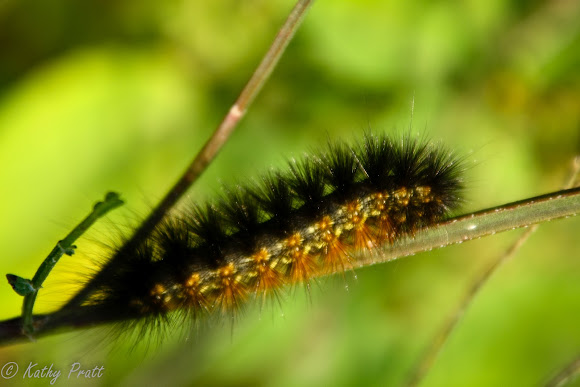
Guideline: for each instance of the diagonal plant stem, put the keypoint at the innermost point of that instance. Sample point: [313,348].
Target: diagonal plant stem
[523,213]
[222,132]
[428,358]
[62,247]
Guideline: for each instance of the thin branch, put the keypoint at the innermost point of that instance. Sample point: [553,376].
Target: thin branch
[472,226]
[428,358]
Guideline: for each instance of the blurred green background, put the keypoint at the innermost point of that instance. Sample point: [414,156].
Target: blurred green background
[119,95]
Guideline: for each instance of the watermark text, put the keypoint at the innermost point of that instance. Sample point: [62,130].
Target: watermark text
[50,372]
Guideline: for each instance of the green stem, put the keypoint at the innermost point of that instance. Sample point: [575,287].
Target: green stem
[64,246]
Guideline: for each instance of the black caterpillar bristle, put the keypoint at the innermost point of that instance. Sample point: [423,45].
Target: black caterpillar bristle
[285,228]
[341,166]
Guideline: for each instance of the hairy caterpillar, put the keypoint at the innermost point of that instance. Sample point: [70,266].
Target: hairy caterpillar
[291,227]
[522,112]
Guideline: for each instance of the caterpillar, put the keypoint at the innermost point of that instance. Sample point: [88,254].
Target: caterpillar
[472,94]
[289,227]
